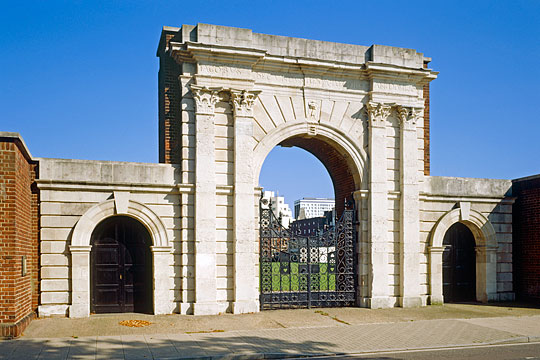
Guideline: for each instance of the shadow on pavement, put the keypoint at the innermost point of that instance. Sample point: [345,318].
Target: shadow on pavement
[155,347]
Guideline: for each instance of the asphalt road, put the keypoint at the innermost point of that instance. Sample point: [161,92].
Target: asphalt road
[527,351]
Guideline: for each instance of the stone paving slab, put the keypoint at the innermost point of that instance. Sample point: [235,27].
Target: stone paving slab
[274,334]
[275,319]
[253,343]
[525,325]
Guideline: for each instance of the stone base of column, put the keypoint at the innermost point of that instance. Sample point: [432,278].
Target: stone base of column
[79,310]
[485,298]
[244,307]
[436,300]
[410,301]
[379,302]
[52,310]
[164,308]
[205,308]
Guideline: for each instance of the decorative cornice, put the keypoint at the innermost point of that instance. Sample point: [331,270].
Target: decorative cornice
[242,102]
[378,113]
[205,99]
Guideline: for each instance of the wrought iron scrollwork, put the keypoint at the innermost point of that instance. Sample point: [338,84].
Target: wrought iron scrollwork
[298,271]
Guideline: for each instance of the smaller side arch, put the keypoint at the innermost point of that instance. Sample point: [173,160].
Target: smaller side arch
[80,255]
[486,254]
[97,213]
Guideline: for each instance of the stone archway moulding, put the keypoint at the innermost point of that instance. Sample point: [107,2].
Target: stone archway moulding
[486,253]
[80,252]
[288,130]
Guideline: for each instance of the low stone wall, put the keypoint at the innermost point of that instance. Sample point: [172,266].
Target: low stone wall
[491,200]
[70,188]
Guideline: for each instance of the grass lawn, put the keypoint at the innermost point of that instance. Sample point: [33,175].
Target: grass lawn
[291,279]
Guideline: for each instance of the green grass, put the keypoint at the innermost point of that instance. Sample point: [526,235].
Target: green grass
[290,280]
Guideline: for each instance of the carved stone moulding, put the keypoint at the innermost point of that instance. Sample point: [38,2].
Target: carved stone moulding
[408,116]
[378,113]
[205,99]
[242,101]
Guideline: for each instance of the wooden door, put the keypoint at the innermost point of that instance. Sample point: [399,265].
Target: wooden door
[121,264]
[459,264]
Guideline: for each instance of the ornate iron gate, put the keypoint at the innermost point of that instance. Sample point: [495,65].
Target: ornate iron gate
[299,271]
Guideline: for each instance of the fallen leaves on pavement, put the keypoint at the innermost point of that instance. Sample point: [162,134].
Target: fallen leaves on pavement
[135,323]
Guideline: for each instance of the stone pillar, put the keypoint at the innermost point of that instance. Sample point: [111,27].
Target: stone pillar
[80,280]
[362,274]
[246,297]
[205,201]
[435,275]
[378,206]
[409,274]
[163,296]
[486,273]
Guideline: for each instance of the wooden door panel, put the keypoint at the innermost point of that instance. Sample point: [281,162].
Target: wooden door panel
[121,266]
[459,264]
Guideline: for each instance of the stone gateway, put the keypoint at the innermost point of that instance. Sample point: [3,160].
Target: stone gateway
[183,236]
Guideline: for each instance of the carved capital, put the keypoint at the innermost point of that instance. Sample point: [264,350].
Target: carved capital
[242,102]
[408,116]
[378,113]
[205,99]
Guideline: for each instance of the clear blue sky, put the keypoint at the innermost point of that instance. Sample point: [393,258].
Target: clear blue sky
[79,79]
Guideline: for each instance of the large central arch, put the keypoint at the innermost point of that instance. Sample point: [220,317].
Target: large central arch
[330,145]
[344,160]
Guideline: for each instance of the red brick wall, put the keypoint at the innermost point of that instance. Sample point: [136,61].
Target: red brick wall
[170,114]
[526,238]
[426,128]
[18,237]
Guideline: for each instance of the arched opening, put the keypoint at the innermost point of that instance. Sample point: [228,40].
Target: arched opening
[459,264]
[338,163]
[485,253]
[121,267]
[312,262]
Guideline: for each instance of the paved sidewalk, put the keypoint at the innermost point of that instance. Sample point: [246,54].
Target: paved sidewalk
[343,333]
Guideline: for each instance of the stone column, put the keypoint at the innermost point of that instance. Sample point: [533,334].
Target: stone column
[486,273]
[378,206]
[409,274]
[205,201]
[435,275]
[80,281]
[163,296]
[246,297]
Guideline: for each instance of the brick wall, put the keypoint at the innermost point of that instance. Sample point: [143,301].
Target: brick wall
[170,124]
[526,219]
[426,128]
[18,236]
